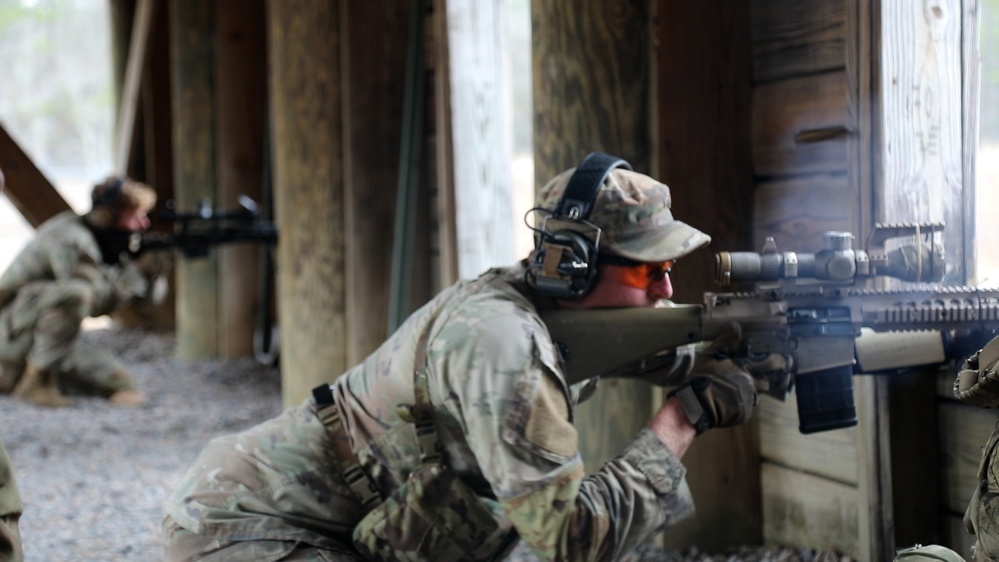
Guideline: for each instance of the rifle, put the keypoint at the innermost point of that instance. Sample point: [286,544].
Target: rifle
[196,232]
[818,310]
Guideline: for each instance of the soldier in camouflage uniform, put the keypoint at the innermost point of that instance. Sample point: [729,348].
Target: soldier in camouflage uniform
[455,438]
[75,267]
[10,500]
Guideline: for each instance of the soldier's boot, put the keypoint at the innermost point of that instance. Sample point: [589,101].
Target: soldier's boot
[125,395]
[40,387]
[8,378]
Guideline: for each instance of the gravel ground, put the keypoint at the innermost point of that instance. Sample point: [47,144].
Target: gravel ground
[94,478]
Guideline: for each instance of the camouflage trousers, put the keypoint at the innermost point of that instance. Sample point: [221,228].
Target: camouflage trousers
[10,512]
[42,325]
[185,546]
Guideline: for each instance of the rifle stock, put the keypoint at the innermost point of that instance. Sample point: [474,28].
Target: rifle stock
[830,328]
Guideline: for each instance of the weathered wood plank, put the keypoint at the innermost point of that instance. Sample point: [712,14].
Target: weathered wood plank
[443,147]
[921,121]
[241,72]
[831,454]
[128,103]
[803,509]
[963,432]
[373,98]
[801,125]
[797,211]
[796,38]
[702,100]
[193,30]
[482,142]
[305,47]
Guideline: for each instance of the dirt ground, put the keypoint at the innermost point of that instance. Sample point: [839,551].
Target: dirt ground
[94,478]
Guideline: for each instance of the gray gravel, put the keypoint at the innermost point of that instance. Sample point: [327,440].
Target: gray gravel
[94,478]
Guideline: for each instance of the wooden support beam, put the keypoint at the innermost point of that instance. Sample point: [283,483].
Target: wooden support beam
[305,56]
[27,188]
[194,140]
[131,87]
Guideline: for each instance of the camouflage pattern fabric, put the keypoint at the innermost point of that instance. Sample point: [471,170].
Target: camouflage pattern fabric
[56,281]
[977,383]
[503,415]
[10,512]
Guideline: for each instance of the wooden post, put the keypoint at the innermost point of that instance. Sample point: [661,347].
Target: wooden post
[305,50]
[591,92]
[241,106]
[193,32]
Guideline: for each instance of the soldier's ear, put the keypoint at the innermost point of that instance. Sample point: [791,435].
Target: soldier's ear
[100,217]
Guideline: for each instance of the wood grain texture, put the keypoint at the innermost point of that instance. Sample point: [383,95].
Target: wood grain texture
[829,454]
[241,71]
[921,121]
[375,43]
[806,510]
[193,65]
[786,111]
[481,136]
[306,102]
[797,38]
[797,211]
[701,112]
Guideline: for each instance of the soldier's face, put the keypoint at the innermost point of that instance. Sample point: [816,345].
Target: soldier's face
[134,220]
[611,292]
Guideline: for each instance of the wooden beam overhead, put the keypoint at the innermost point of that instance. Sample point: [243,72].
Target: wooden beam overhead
[30,191]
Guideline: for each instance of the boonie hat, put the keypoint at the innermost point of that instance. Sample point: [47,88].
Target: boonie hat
[633,213]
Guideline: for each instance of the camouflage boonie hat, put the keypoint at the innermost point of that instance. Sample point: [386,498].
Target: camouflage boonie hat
[633,213]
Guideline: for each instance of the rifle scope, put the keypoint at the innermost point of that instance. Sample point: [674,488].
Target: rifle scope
[836,262]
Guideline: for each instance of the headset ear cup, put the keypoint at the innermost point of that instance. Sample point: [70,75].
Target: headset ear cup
[575,273]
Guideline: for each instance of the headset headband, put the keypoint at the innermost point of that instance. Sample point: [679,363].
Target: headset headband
[110,195]
[581,193]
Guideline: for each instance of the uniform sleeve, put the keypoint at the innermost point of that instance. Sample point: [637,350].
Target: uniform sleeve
[516,415]
[71,257]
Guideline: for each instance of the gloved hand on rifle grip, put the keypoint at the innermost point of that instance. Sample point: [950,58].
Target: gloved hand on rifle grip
[771,373]
[722,400]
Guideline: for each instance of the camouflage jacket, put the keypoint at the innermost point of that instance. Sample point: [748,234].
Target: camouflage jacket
[503,415]
[64,248]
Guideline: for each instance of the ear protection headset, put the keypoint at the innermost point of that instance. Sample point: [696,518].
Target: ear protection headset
[110,195]
[565,255]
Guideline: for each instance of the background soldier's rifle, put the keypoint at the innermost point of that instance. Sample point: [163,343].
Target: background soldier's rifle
[819,310]
[196,232]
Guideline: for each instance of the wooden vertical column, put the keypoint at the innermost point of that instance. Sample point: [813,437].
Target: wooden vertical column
[241,106]
[193,35]
[591,92]
[308,142]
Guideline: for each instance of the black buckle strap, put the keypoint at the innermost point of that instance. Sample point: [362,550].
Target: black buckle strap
[350,469]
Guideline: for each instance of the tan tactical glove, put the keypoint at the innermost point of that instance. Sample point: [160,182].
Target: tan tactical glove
[725,399]
[977,382]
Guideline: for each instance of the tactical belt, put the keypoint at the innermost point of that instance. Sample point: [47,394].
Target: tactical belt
[350,468]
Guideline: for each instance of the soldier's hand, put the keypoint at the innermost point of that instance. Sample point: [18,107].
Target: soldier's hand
[154,264]
[723,399]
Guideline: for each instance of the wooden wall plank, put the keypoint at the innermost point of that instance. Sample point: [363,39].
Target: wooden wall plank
[128,102]
[789,118]
[956,536]
[241,106]
[702,122]
[305,48]
[831,454]
[482,141]
[796,38]
[797,211]
[375,44]
[193,65]
[27,188]
[801,509]
[921,121]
